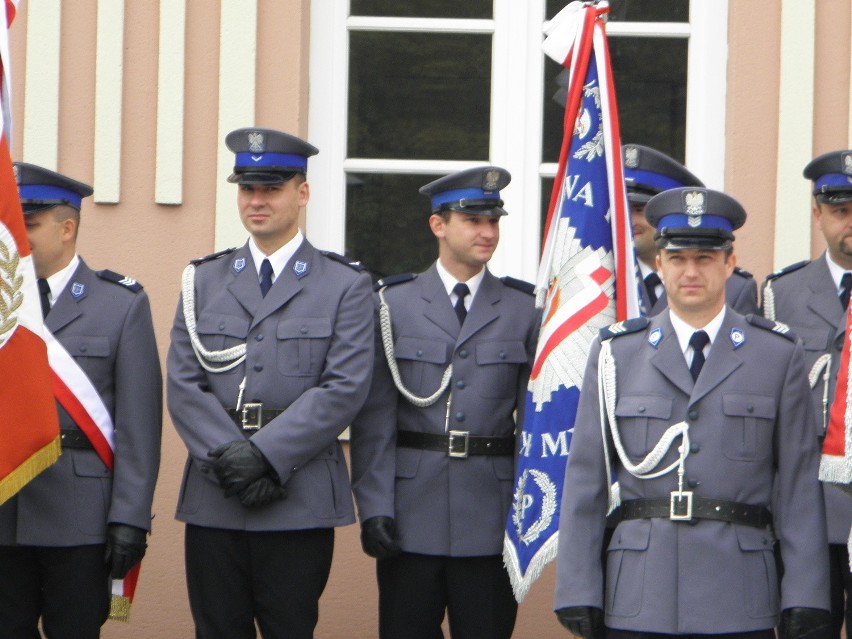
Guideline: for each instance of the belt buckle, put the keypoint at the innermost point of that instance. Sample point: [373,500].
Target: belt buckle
[252,416]
[680,507]
[451,448]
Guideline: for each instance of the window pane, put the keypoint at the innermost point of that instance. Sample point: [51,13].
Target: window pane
[637,10]
[387,223]
[419,96]
[650,85]
[423,8]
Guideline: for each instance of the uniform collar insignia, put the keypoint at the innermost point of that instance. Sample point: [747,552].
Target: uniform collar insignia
[737,337]
[300,268]
[78,290]
[655,337]
[239,264]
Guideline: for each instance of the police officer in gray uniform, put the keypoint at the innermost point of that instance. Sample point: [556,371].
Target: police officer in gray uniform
[270,359]
[433,448]
[811,297]
[703,416]
[79,522]
[648,172]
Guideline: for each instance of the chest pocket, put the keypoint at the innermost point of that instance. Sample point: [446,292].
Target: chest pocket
[642,420]
[749,421]
[499,363]
[815,339]
[302,345]
[218,332]
[422,363]
[86,345]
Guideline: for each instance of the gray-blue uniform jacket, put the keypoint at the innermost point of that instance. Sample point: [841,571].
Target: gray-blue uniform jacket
[751,438]
[443,505]
[804,297]
[309,353]
[105,325]
[740,295]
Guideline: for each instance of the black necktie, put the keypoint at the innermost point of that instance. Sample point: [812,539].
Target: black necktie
[462,291]
[265,277]
[652,280]
[43,292]
[845,286]
[698,341]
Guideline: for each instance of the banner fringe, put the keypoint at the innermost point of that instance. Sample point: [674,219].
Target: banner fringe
[119,608]
[835,469]
[29,469]
[521,583]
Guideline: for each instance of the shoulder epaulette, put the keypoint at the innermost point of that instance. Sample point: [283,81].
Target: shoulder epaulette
[771,325]
[117,278]
[743,273]
[344,260]
[394,279]
[212,256]
[520,285]
[624,328]
[788,269]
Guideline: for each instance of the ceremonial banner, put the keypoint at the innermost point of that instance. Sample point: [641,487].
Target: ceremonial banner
[29,431]
[586,281]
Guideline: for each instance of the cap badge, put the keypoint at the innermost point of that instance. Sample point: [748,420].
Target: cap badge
[847,163]
[77,290]
[255,141]
[737,337]
[655,337]
[693,203]
[490,180]
[239,264]
[300,268]
[631,157]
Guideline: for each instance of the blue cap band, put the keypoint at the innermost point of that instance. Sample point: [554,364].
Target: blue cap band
[833,179]
[288,160]
[49,194]
[463,194]
[648,178]
[679,220]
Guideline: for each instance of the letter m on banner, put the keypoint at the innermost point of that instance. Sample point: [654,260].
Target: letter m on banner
[586,281]
[29,426]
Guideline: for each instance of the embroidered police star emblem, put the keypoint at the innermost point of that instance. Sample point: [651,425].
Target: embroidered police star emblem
[300,268]
[655,337]
[77,290]
[255,142]
[239,264]
[631,157]
[737,337]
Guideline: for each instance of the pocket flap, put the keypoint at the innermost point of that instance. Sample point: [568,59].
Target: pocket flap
[631,535]
[501,353]
[88,464]
[304,328]
[417,349]
[751,538]
[86,345]
[742,405]
[212,324]
[654,406]
[815,339]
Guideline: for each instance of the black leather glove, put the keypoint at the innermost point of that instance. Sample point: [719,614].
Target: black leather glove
[237,465]
[805,623]
[125,547]
[262,491]
[377,537]
[583,621]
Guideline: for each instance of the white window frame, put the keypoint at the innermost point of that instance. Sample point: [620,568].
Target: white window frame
[516,113]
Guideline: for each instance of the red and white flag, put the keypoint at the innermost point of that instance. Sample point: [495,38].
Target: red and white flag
[29,430]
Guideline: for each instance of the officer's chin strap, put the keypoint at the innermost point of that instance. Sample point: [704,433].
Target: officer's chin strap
[642,470]
[229,357]
[387,342]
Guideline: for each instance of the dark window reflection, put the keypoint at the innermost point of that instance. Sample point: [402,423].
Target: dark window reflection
[423,8]
[650,86]
[637,10]
[387,223]
[419,95]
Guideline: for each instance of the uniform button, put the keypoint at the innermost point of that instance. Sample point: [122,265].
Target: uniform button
[694,448]
[221,326]
[641,409]
[419,353]
[463,353]
[693,483]
[750,408]
[502,355]
[460,384]
[304,330]
[294,469]
[83,348]
[459,417]
[258,367]
[258,337]
[693,414]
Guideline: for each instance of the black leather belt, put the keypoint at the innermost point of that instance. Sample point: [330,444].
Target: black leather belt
[72,438]
[456,443]
[698,508]
[253,416]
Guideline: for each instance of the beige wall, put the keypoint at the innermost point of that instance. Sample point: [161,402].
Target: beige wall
[153,242]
